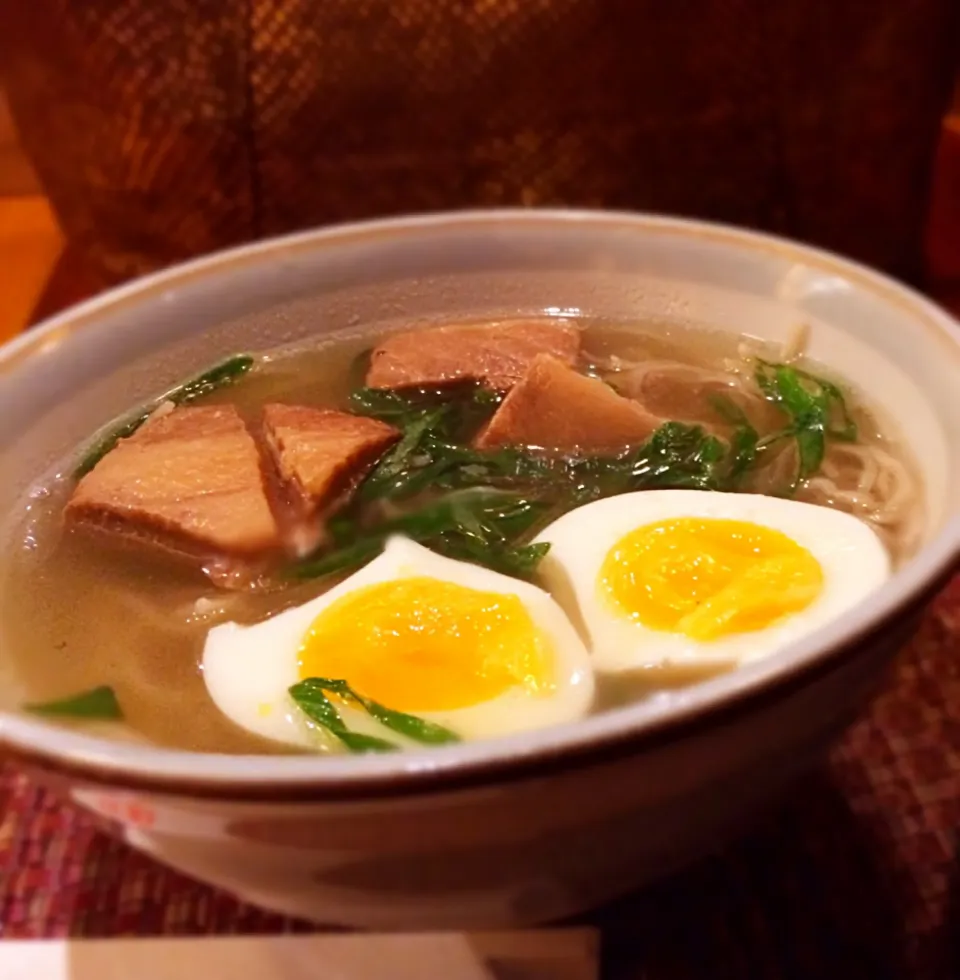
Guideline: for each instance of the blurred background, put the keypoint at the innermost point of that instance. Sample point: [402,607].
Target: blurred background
[30,240]
[158,140]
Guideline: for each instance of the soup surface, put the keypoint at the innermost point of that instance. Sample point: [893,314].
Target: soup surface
[556,472]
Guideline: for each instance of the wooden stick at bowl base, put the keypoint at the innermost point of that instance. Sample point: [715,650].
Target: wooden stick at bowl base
[562,954]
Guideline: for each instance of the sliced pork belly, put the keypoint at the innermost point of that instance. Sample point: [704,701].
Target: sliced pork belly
[554,407]
[497,355]
[320,453]
[190,480]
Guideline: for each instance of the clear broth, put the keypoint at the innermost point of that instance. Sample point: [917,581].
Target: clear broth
[78,612]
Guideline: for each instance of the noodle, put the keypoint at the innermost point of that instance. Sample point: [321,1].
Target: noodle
[795,344]
[865,480]
[671,390]
[872,484]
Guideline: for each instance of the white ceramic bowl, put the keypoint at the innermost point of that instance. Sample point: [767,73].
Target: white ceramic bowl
[536,826]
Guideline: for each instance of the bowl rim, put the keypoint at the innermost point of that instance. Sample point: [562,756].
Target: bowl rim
[626,730]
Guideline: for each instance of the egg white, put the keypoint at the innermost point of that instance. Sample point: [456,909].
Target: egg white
[852,557]
[249,669]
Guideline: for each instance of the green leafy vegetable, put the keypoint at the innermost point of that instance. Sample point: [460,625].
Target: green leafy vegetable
[386,404]
[676,455]
[480,522]
[390,405]
[482,506]
[227,372]
[465,406]
[340,559]
[744,450]
[310,698]
[744,440]
[219,376]
[815,407]
[429,456]
[103,446]
[485,526]
[100,702]
[391,474]
[437,425]
[681,456]
[417,729]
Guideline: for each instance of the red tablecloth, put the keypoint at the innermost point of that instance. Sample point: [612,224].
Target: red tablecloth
[858,876]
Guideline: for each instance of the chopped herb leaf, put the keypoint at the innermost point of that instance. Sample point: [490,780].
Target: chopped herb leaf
[680,456]
[437,425]
[520,562]
[479,521]
[386,478]
[744,439]
[339,560]
[417,729]
[816,410]
[107,443]
[360,743]
[100,702]
[744,448]
[219,376]
[310,698]
[227,372]
[463,516]
[465,406]
[387,404]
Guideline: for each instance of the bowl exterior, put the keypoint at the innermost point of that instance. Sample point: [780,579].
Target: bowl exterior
[553,824]
[502,855]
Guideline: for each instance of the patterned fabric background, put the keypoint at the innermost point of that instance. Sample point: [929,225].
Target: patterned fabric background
[166,128]
[857,876]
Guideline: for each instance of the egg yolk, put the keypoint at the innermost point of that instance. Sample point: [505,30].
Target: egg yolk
[706,578]
[422,644]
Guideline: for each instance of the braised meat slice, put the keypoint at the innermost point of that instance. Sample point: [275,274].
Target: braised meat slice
[494,354]
[190,479]
[319,453]
[553,407]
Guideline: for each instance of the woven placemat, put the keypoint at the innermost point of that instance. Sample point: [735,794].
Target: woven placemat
[857,876]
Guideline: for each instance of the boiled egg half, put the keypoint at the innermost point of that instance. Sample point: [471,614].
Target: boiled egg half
[449,642]
[687,578]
